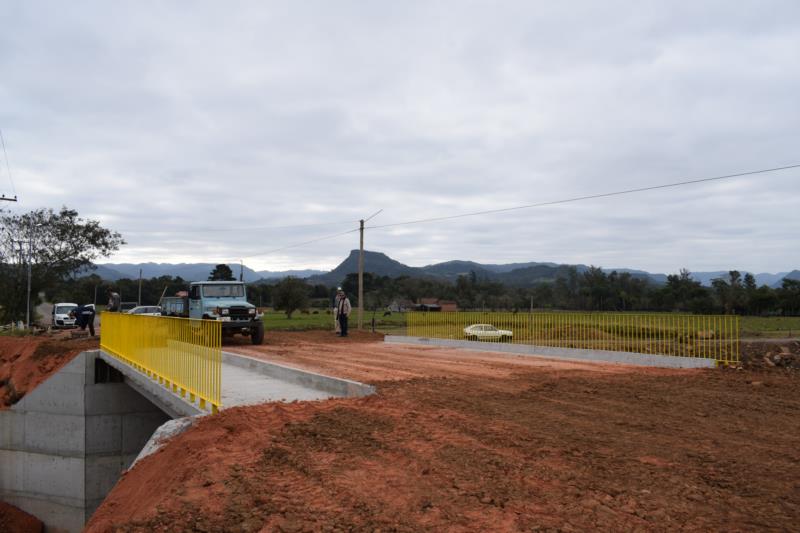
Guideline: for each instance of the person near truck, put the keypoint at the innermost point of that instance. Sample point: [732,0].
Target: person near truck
[84,316]
[343,311]
[113,301]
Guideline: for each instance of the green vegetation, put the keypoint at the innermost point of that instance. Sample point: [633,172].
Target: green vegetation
[55,246]
[277,321]
[771,327]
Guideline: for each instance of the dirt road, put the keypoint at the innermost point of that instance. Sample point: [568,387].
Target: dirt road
[457,441]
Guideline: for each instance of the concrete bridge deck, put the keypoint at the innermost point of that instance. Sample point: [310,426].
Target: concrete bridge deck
[245,381]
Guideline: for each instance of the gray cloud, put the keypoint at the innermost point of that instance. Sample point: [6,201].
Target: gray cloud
[160,118]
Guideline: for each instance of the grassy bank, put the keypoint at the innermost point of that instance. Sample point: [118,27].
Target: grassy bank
[277,321]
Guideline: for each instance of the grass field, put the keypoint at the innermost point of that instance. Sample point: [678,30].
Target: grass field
[751,326]
[277,321]
[770,327]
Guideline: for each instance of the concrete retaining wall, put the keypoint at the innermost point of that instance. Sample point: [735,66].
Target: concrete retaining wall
[65,444]
[604,356]
[334,386]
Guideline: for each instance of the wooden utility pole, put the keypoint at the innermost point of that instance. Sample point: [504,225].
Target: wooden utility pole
[361,275]
[361,269]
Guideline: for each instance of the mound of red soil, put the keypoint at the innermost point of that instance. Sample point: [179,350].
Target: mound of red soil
[13,520]
[25,362]
[512,447]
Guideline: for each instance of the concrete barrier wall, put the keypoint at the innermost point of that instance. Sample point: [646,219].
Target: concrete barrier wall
[600,356]
[334,386]
[65,444]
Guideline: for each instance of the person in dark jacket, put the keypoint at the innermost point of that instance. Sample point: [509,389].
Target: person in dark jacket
[84,316]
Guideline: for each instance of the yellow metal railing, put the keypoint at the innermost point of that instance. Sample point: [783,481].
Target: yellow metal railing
[715,337]
[182,354]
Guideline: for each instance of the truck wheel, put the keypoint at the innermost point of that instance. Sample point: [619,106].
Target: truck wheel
[257,336]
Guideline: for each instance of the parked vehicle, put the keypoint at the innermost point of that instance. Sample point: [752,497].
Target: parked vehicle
[150,310]
[60,315]
[124,307]
[225,301]
[487,332]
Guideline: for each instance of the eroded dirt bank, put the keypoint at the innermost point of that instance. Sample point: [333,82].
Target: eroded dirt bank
[492,444]
[13,520]
[25,362]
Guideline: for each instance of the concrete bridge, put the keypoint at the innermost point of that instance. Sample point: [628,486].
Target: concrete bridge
[65,444]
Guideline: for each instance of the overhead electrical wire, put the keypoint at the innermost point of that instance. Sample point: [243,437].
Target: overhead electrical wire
[324,238]
[581,198]
[520,207]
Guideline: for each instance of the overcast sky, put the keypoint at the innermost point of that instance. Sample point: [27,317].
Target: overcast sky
[197,128]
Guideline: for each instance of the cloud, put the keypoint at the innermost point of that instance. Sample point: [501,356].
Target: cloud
[166,122]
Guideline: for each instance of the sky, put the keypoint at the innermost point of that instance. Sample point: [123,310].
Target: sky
[220,131]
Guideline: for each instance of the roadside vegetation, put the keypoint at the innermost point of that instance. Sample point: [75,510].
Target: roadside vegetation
[323,319]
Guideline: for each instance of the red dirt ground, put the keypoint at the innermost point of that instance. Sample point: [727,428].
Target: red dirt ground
[25,362]
[13,520]
[462,441]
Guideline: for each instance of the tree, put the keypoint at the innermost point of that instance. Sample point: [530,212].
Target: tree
[58,245]
[729,291]
[221,272]
[289,295]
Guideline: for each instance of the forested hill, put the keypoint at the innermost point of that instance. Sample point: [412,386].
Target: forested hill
[512,274]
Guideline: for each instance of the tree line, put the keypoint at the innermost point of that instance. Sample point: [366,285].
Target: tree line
[58,249]
[591,290]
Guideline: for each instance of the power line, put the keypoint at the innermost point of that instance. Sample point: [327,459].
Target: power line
[8,167]
[318,239]
[580,198]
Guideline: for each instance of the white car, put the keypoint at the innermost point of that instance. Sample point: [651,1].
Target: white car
[61,318]
[487,332]
[147,310]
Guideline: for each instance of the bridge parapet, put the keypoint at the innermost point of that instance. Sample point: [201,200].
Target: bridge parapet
[182,354]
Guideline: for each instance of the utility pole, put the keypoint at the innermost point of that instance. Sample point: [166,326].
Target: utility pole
[361,269]
[361,275]
[28,299]
[139,299]
[241,269]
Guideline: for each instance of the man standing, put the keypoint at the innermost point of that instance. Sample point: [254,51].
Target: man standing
[336,299]
[343,311]
[84,316]
[113,301]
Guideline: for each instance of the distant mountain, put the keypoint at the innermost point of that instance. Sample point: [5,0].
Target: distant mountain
[188,271]
[105,272]
[794,274]
[771,280]
[280,274]
[451,270]
[375,262]
[513,274]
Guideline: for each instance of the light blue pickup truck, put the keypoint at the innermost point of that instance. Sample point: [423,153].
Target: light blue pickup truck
[225,301]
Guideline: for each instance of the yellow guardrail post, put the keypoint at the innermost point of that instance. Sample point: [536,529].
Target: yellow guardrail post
[711,336]
[184,355]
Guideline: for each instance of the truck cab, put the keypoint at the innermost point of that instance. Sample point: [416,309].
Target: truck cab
[226,301]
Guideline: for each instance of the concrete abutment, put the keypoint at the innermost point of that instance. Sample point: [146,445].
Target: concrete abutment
[65,444]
